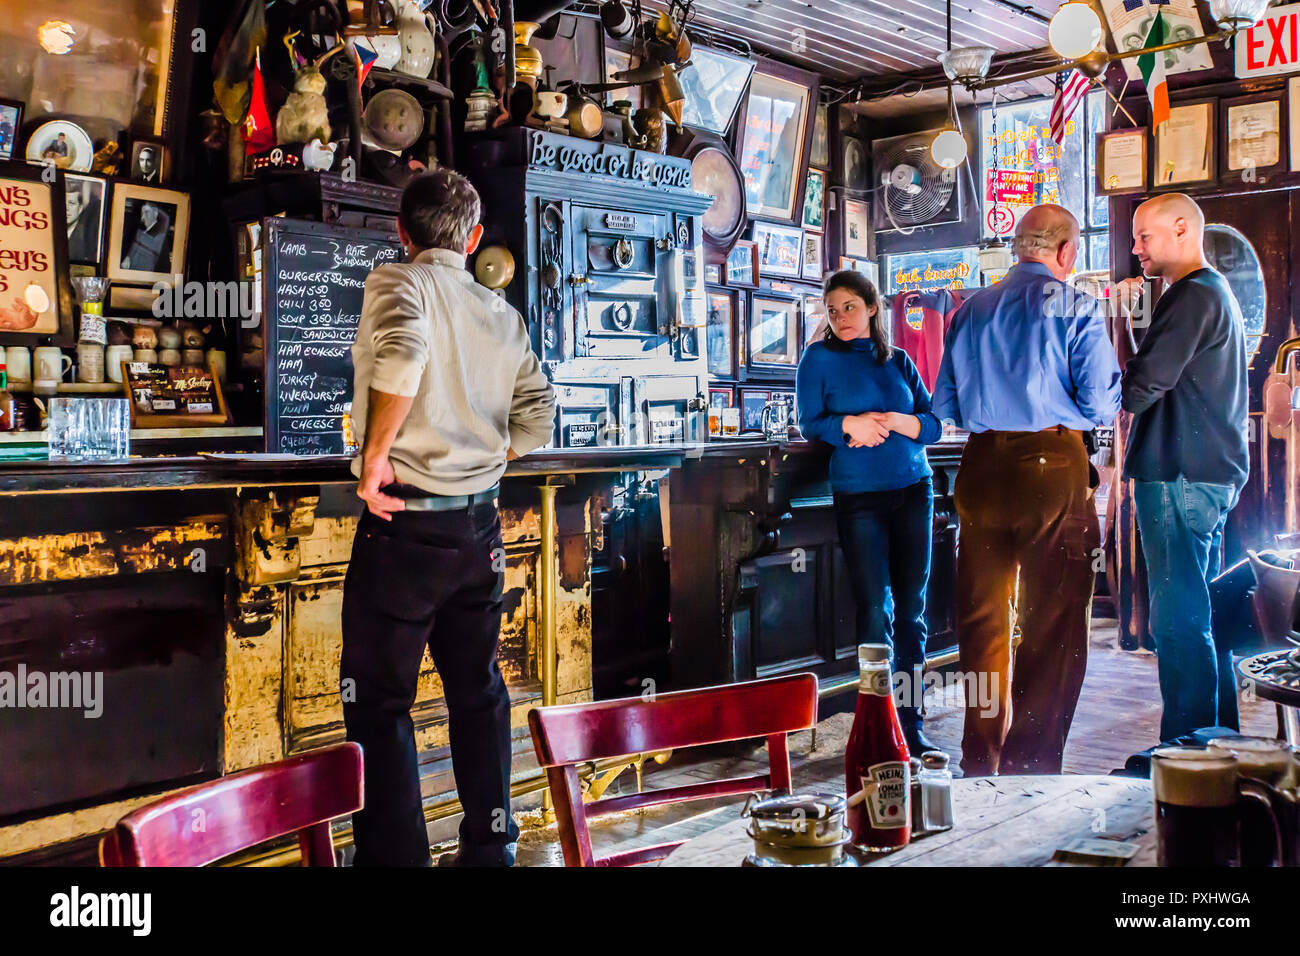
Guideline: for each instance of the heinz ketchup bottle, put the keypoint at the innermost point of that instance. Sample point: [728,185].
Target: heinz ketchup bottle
[877,759]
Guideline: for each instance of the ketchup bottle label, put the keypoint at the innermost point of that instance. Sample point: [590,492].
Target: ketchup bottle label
[887,805]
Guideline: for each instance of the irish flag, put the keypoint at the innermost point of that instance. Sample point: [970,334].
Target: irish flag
[1152,66]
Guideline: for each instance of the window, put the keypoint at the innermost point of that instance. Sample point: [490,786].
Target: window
[1023,168]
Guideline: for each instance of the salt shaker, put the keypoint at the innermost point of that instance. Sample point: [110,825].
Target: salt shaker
[936,791]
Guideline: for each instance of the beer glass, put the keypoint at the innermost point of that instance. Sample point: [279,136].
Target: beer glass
[1271,762]
[1199,799]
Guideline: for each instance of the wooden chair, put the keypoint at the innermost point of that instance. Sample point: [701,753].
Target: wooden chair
[568,735]
[201,824]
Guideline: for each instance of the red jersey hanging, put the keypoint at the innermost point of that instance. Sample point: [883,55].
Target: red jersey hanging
[920,321]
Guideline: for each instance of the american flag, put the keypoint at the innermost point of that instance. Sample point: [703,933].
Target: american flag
[1067,99]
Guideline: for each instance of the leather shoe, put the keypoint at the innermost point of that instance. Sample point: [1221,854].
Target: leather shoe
[503,855]
[917,742]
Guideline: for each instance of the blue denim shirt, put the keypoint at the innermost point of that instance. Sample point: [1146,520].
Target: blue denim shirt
[1027,354]
[832,383]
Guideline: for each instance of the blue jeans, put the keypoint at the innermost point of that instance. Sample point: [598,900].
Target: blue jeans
[885,537]
[1181,523]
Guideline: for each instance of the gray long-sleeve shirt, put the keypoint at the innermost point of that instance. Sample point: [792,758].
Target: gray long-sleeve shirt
[430,332]
[1187,387]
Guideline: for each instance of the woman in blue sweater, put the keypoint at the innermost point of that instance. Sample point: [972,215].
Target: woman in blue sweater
[868,402]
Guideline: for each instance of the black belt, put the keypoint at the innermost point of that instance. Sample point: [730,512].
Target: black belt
[452,502]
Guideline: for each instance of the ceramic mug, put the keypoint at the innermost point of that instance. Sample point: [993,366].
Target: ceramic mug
[113,359]
[18,360]
[551,104]
[50,362]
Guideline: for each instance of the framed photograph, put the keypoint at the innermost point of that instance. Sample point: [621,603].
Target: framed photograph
[11,118]
[1253,138]
[774,141]
[86,203]
[820,154]
[778,249]
[857,229]
[1184,146]
[752,401]
[713,273]
[853,163]
[1122,162]
[149,163]
[872,271]
[722,396]
[148,230]
[714,86]
[814,201]
[35,294]
[773,332]
[812,256]
[721,332]
[742,265]
[814,318]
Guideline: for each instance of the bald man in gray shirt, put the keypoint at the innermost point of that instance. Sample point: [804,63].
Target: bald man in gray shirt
[447,388]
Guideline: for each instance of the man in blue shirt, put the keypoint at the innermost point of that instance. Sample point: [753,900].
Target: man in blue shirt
[1027,369]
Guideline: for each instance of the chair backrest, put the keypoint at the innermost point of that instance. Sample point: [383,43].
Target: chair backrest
[1274,599]
[202,824]
[567,735]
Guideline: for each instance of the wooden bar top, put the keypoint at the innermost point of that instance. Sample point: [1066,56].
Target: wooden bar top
[178,472]
[233,470]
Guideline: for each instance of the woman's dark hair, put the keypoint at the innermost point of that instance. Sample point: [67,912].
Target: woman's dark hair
[857,284]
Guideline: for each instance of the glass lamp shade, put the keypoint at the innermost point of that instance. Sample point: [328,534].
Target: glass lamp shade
[1238,14]
[948,148]
[966,64]
[1075,30]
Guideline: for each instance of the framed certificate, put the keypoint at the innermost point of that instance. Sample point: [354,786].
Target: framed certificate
[1293,119]
[857,229]
[1184,147]
[1122,162]
[1253,137]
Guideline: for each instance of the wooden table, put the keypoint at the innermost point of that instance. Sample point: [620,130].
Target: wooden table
[1000,821]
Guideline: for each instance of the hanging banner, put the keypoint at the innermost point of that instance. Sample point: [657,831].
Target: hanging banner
[1271,46]
[1130,20]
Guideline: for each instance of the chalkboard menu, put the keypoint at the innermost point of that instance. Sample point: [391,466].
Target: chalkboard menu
[314,277]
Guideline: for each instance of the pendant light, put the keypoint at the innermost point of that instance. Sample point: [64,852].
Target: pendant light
[1075,30]
[949,148]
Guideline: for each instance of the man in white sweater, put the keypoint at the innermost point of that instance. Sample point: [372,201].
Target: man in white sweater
[446,390]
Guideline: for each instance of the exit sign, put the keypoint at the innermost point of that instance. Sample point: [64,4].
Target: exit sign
[1272,45]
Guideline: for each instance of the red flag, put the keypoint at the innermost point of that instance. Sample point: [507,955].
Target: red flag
[258,133]
[1068,96]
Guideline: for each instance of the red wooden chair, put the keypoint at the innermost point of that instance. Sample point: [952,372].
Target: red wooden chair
[568,735]
[213,820]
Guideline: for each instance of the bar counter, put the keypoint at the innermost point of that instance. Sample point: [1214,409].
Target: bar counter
[204,591]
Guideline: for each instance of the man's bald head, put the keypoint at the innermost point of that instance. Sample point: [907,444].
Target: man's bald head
[1048,234]
[1169,236]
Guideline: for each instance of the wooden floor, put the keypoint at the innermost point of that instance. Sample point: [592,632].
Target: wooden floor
[1118,715]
